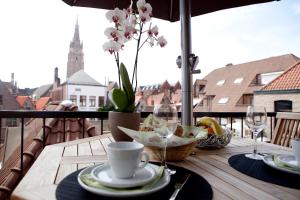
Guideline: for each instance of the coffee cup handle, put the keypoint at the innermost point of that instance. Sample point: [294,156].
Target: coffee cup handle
[143,164]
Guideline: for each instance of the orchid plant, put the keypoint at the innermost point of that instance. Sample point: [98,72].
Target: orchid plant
[130,24]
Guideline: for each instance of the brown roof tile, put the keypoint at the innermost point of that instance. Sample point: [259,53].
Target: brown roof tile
[248,72]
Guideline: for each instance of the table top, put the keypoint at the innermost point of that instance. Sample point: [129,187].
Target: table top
[57,161]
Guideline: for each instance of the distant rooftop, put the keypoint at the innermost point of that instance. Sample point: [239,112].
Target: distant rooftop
[82,78]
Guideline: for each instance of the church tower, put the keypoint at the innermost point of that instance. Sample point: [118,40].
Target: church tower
[75,56]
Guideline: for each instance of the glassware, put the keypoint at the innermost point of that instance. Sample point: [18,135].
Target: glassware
[256,119]
[166,115]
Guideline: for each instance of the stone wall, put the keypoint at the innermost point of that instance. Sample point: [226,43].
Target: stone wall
[267,100]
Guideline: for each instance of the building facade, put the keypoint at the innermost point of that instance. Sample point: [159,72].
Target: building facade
[283,93]
[231,88]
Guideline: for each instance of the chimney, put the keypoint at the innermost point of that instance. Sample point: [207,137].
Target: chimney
[229,64]
[56,79]
[12,78]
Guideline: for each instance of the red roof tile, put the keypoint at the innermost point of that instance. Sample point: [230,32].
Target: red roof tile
[289,80]
[41,103]
[21,100]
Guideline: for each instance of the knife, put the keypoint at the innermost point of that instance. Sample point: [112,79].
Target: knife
[178,186]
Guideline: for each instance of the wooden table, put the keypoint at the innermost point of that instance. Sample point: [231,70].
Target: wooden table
[57,161]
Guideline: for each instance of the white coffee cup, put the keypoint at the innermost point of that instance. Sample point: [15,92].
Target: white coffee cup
[296,149]
[125,158]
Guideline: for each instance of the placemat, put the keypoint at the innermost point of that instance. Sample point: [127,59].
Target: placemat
[259,170]
[195,188]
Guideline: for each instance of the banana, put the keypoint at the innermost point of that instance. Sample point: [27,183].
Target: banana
[207,121]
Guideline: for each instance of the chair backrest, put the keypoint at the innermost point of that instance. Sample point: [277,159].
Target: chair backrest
[287,128]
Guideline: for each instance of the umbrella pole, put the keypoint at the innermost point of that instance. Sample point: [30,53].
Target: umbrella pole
[186,71]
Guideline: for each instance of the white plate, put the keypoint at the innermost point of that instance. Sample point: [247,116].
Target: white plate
[289,160]
[162,182]
[269,161]
[105,176]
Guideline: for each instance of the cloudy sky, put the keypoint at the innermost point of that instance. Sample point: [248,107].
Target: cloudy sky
[35,37]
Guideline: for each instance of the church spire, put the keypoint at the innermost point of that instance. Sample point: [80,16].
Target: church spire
[75,56]
[76,32]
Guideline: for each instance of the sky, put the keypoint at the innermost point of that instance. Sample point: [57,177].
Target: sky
[35,36]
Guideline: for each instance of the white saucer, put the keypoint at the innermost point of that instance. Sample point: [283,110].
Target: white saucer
[110,192]
[104,175]
[289,160]
[268,159]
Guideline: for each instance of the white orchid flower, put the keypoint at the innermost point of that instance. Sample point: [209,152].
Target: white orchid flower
[112,46]
[117,16]
[161,41]
[132,20]
[128,31]
[145,17]
[144,7]
[153,31]
[114,34]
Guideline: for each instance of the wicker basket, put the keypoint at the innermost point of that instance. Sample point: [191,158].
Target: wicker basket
[177,153]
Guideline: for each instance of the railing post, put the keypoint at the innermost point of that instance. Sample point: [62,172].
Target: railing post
[44,131]
[83,121]
[64,132]
[22,144]
[101,126]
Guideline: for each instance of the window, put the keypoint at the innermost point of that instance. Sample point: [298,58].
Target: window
[73,98]
[220,82]
[92,101]
[223,100]
[78,89]
[1,100]
[11,122]
[238,80]
[100,101]
[82,101]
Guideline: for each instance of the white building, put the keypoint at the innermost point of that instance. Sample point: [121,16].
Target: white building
[79,87]
[84,91]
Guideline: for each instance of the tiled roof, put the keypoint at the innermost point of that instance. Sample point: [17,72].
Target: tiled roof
[82,78]
[289,80]
[41,103]
[42,90]
[33,144]
[247,71]
[22,99]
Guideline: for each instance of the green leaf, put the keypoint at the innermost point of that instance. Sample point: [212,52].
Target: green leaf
[127,87]
[119,99]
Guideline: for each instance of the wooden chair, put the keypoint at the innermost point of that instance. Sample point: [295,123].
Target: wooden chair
[287,128]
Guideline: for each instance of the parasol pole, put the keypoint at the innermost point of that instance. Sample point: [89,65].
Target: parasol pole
[186,71]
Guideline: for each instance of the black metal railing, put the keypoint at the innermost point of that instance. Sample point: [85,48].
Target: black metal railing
[104,115]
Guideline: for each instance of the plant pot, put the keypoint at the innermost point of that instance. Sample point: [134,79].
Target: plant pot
[127,120]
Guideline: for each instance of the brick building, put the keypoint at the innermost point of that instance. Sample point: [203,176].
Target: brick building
[283,93]
[231,88]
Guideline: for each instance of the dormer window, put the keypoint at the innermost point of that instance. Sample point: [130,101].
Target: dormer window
[223,100]
[220,82]
[238,80]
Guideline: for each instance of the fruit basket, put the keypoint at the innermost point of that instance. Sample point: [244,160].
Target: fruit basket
[216,141]
[217,136]
[179,145]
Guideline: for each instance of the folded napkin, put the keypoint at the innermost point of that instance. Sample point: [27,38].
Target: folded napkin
[90,181]
[281,164]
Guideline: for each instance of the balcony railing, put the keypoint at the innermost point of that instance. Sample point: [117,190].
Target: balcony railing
[230,117]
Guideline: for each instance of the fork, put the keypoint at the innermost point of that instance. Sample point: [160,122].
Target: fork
[178,186]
